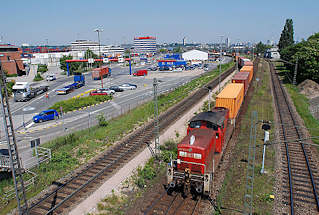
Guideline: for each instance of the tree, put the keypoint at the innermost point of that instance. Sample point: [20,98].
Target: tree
[287,35]
[90,54]
[307,53]
[72,66]
[261,48]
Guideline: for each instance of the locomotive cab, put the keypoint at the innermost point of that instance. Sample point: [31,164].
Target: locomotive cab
[215,120]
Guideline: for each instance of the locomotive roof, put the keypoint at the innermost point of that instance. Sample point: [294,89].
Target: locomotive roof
[215,117]
[202,139]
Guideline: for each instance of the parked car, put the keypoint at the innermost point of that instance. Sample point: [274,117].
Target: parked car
[51,77]
[4,152]
[102,92]
[127,86]
[46,115]
[178,69]
[134,85]
[116,89]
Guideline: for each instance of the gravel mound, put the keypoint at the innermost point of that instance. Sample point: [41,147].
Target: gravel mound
[309,88]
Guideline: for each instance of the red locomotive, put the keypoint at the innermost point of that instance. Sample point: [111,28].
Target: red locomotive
[198,153]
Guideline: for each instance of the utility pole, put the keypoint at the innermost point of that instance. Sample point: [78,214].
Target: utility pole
[156,118]
[294,82]
[16,169]
[220,64]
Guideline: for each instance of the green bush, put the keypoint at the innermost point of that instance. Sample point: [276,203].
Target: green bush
[42,68]
[77,103]
[102,120]
[38,77]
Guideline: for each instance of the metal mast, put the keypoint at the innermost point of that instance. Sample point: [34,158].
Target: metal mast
[17,171]
[248,198]
[156,122]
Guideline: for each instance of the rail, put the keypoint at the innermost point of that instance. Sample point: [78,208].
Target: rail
[298,133]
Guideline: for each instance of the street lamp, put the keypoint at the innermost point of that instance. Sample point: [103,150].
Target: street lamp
[98,30]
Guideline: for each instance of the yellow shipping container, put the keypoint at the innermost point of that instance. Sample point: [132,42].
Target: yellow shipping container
[249,69]
[231,98]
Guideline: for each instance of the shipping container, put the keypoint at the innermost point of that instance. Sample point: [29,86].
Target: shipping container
[231,98]
[244,62]
[103,72]
[249,69]
[242,77]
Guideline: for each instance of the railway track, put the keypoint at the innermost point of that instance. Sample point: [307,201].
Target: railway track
[69,193]
[173,205]
[300,173]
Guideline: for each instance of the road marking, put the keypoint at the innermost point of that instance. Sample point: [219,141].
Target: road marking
[28,126]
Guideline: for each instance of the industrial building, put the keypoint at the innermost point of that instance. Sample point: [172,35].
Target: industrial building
[10,57]
[195,55]
[144,45]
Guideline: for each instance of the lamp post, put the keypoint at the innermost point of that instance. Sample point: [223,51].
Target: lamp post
[98,30]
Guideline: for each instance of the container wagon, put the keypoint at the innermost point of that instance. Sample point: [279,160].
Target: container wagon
[249,69]
[231,98]
[243,78]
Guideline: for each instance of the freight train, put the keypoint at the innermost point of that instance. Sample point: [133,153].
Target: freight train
[200,151]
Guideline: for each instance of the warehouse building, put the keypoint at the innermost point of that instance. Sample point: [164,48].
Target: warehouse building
[144,45]
[195,55]
[11,62]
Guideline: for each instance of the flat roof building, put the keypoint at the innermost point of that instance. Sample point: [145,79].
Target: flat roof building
[84,45]
[144,45]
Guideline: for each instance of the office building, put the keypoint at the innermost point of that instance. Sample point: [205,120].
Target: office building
[144,45]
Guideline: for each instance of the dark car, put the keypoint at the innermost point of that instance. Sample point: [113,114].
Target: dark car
[116,89]
[46,115]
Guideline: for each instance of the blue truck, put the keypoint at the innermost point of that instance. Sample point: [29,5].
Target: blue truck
[79,81]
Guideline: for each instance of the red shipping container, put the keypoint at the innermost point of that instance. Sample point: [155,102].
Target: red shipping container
[242,77]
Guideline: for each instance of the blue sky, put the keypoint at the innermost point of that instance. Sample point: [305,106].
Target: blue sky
[60,22]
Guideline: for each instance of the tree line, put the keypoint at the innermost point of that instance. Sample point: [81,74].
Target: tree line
[304,53]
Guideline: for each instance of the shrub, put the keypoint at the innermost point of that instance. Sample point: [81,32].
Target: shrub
[42,68]
[102,120]
[38,77]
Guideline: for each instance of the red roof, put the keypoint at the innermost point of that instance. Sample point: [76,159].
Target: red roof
[166,60]
[144,38]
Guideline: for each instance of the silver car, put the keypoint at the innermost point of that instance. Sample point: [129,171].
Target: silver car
[128,87]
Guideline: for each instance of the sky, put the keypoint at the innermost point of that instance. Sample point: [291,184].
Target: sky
[57,22]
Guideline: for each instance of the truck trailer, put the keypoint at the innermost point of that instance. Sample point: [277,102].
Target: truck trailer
[23,91]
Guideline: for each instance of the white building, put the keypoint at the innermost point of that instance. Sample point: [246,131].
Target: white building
[145,45]
[195,55]
[84,45]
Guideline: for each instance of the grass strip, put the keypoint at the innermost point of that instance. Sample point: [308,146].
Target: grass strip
[71,151]
[81,102]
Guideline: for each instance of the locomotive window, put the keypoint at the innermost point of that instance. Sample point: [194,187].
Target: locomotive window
[213,126]
[195,124]
[182,154]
